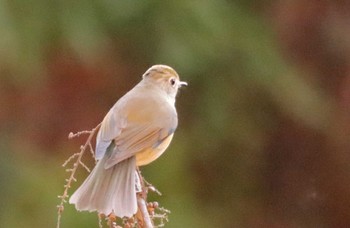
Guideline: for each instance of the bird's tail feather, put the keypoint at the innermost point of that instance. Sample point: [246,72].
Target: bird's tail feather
[108,190]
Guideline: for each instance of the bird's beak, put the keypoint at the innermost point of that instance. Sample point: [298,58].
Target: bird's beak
[182,84]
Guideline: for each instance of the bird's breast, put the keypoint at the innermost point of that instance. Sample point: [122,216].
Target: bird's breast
[148,155]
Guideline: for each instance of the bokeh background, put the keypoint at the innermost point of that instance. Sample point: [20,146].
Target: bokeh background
[264,125]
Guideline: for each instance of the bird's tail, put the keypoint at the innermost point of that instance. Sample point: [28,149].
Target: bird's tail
[108,190]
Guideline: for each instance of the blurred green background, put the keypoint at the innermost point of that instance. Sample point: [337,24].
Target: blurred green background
[264,125]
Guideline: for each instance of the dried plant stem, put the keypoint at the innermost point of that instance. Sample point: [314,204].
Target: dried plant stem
[72,171]
[146,221]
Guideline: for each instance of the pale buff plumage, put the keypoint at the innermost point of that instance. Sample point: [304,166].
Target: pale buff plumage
[135,132]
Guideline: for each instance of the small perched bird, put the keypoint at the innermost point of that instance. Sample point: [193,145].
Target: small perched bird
[135,132]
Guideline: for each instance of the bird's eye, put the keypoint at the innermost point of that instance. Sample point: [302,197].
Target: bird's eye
[172,81]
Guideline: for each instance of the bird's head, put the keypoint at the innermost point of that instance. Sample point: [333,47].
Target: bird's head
[165,77]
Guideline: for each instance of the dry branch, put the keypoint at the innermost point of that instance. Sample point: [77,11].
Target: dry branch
[72,171]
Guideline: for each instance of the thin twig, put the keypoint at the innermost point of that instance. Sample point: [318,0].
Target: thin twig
[72,171]
[82,164]
[162,217]
[92,152]
[151,187]
[70,158]
[73,135]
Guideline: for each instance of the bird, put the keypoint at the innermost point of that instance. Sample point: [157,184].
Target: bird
[135,132]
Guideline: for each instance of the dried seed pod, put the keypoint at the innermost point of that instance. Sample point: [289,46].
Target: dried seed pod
[155,205]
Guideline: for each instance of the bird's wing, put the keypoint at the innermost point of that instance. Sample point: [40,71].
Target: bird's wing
[111,127]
